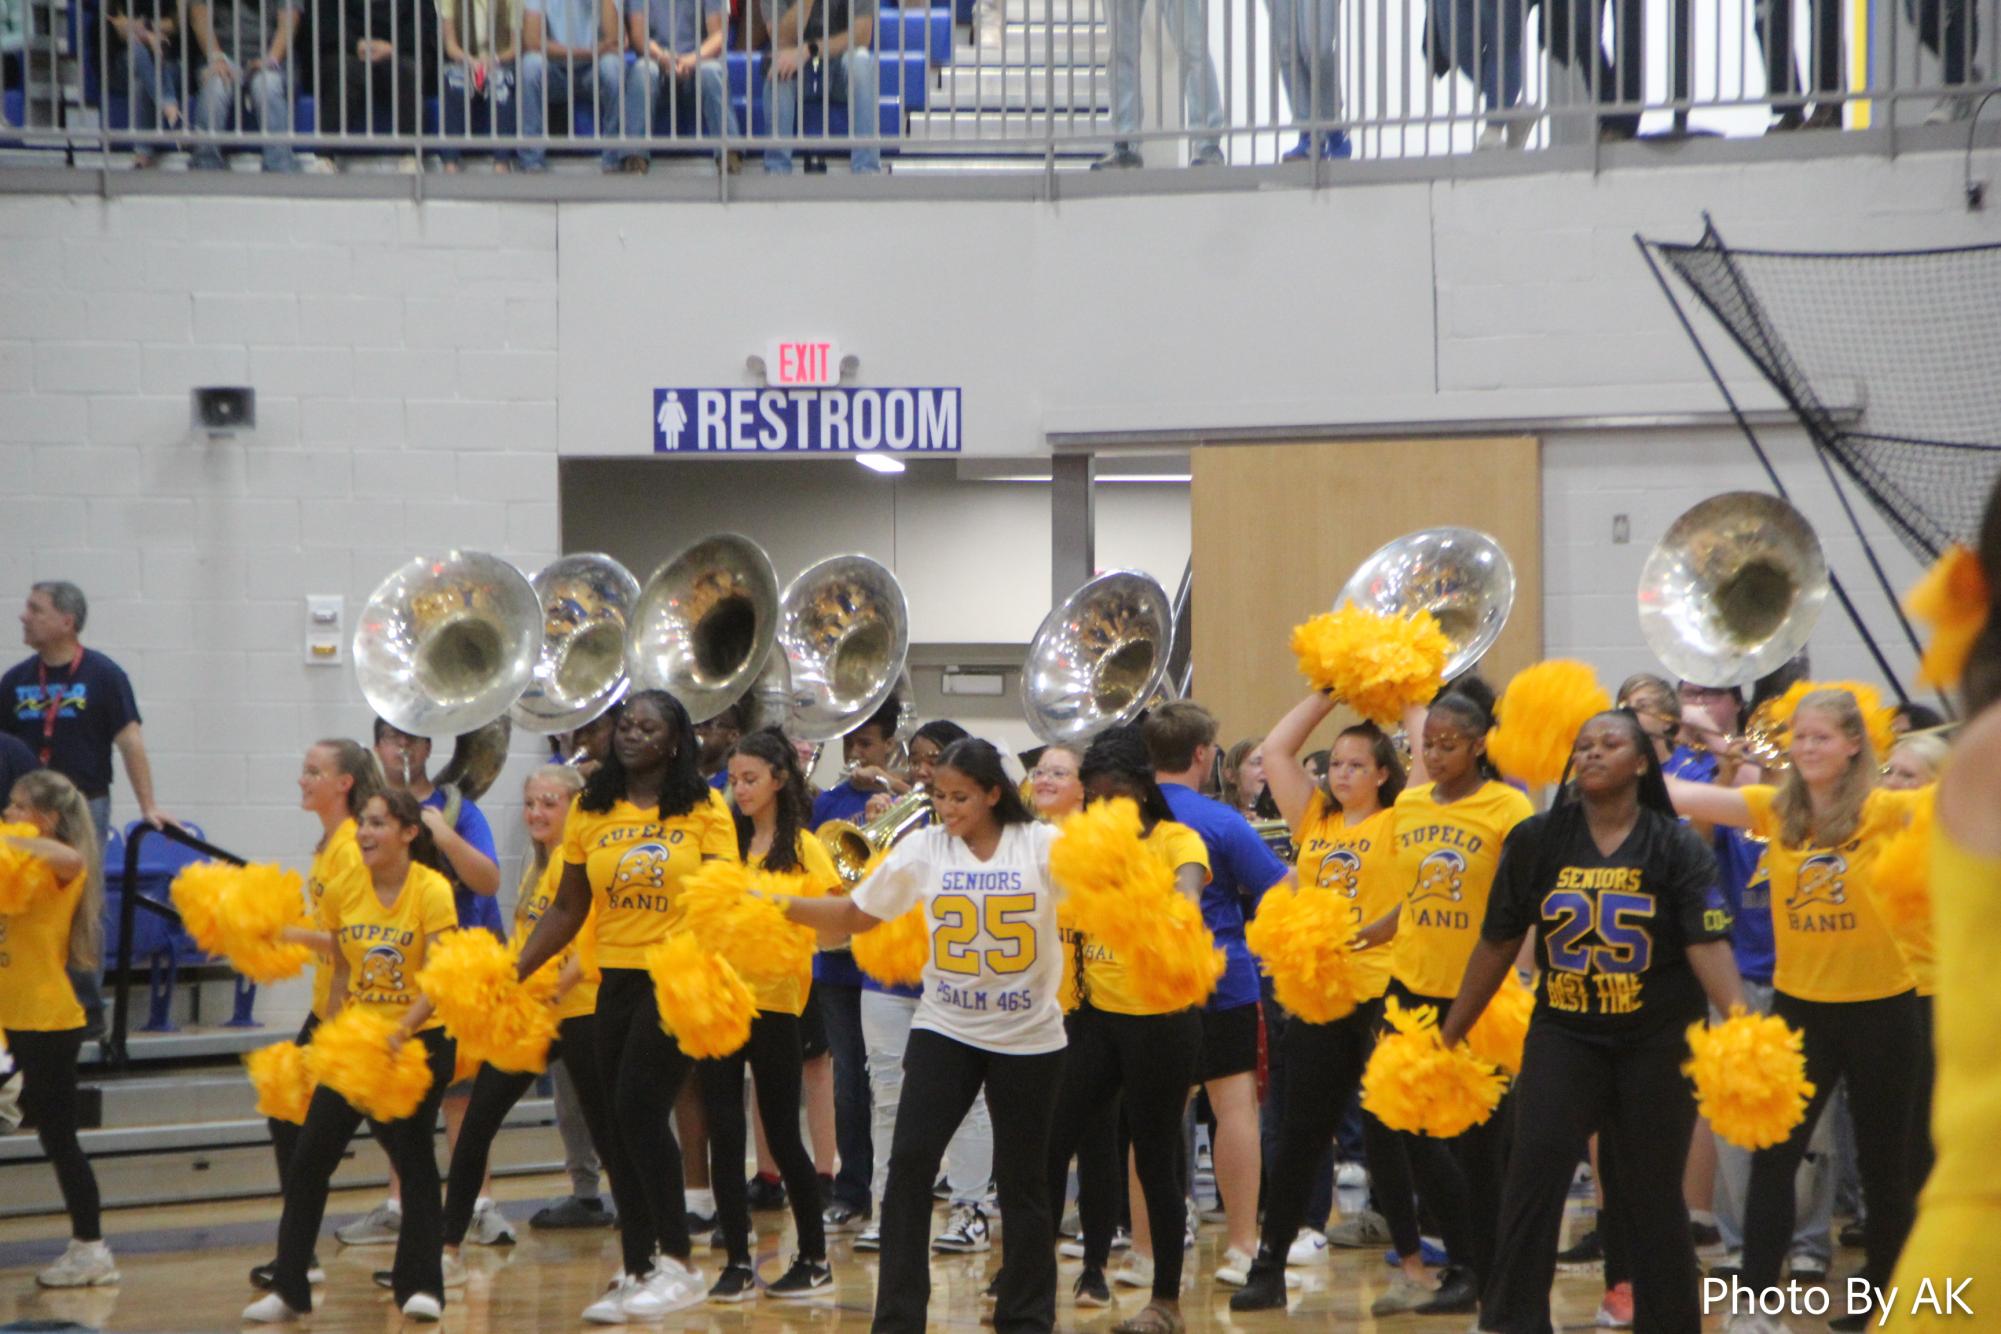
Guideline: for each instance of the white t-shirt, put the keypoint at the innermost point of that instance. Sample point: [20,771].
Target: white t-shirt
[996,960]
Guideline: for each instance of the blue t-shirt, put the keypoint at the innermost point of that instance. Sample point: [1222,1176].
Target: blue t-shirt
[720,780]
[15,759]
[1697,766]
[567,22]
[842,801]
[1747,888]
[475,910]
[93,702]
[1241,869]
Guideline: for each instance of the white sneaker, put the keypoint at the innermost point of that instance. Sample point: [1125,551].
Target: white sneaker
[1071,1250]
[423,1306]
[455,1271]
[1351,1176]
[489,1226]
[1754,1322]
[1404,1294]
[610,1308]
[1235,1271]
[1492,136]
[868,1239]
[1135,1271]
[1308,1248]
[270,1309]
[83,1264]
[380,1226]
[965,1231]
[1122,1240]
[672,1286]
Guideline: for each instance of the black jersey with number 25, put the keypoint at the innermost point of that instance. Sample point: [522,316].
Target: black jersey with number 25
[1611,931]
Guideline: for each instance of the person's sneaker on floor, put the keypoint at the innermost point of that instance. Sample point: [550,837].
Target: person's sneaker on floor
[1135,1271]
[1263,1288]
[672,1286]
[764,1194]
[573,1212]
[1456,1293]
[1853,1236]
[1362,1231]
[1616,1310]
[941,1189]
[1752,1322]
[380,1226]
[1122,157]
[1404,1294]
[609,1309]
[1703,1234]
[489,1226]
[1090,1291]
[454,1268]
[869,1239]
[1235,1270]
[1807,1267]
[840,1218]
[1730,1266]
[264,1275]
[965,1231]
[424,1306]
[1351,1176]
[802,1280]
[1308,1248]
[270,1309]
[735,1284]
[83,1264]
[1586,1250]
[1430,1252]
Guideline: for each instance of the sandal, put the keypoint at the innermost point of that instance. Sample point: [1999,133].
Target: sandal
[1156,1317]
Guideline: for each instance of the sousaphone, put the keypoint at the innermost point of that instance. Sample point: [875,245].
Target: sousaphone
[1099,658]
[446,643]
[1460,575]
[703,627]
[587,601]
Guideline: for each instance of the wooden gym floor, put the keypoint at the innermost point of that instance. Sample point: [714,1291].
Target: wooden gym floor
[185,1268]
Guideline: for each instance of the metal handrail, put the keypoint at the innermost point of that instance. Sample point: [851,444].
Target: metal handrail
[113,1047]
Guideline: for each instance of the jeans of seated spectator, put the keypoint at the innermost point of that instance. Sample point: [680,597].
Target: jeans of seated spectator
[1814,1186]
[219,108]
[1201,98]
[852,78]
[151,86]
[1303,37]
[1494,27]
[568,83]
[700,105]
[483,116]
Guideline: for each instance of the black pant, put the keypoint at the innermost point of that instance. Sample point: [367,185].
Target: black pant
[47,1062]
[1323,1064]
[1575,39]
[1271,1117]
[1921,1154]
[1775,36]
[1634,1097]
[411,1145]
[382,95]
[285,1134]
[641,1071]
[1875,1044]
[494,1093]
[841,1012]
[1948,29]
[1152,1061]
[774,1056]
[941,1077]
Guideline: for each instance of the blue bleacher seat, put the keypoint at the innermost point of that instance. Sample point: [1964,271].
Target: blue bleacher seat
[913,30]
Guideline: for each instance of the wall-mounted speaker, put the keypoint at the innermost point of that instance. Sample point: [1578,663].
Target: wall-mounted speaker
[225,409]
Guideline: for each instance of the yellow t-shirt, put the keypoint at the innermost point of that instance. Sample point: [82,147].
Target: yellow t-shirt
[384,947]
[636,862]
[35,991]
[1447,854]
[1830,943]
[581,999]
[789,995]
[1106,983]
[338,857]
[1356,861]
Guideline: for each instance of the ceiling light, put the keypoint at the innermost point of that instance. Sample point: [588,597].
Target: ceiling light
[883,463]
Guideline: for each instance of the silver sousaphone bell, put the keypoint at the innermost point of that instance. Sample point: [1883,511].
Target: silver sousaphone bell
[587,601]
[1099,658]
[1460,575]
[446,643]
[845,629]
[703,627]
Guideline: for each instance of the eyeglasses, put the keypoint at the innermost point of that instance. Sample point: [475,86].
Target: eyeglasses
[1056,775]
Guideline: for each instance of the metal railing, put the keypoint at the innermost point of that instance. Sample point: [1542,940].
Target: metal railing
[345,84]
[129,904]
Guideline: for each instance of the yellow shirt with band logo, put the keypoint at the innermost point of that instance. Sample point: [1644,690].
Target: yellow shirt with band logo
[1830,943]
[788,996]
[1358,862]
[384,945]
[636,862]
[581,999]
[1107,984]
[1447,853]
[338,858]
[35,991]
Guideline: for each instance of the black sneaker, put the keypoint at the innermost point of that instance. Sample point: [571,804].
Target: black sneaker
[265,1275]
[1704,1234]
[1588,1250]
[941,1189]
[700,1223]
[735,1284]
[802,1280]
[1854,1236]
[1123,157]
[764,1194]
[1456,1293]
[1264,1287]
[574,1212]
[1090,1289]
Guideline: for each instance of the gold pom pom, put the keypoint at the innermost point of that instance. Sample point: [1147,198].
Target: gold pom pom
[1414,1084]
[1301,939]
[284,1087]
[238,911]
[1877,716]
[1541,713]
[895,953]
[1497,1036]
[703,1004]
[1953,599]
[1902,885]
[469,977]
[1377,665]
[24,877]
[726,906]
[350,1055]
[1750,1078]
[1122,894]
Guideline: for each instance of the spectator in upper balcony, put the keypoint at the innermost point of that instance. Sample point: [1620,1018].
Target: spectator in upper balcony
[1949,29]
[1303,36]
[1775,37]
[1187,26]
[145,61]
[388,50]
[479,75]
[679,45]
[1575,37]
[1483,41]
[246,51]
[570,58]
[821,52]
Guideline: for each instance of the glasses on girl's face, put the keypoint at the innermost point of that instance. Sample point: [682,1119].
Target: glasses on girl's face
[1051,775]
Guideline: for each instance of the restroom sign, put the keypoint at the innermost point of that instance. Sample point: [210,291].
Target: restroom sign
[806,421]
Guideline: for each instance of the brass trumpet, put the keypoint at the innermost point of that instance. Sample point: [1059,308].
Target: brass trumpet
[853,846]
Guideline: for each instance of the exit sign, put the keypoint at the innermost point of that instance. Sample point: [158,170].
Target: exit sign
[802,365]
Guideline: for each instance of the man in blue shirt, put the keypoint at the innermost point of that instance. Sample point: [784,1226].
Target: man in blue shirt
[680,48]
[1181,741]
[564,43]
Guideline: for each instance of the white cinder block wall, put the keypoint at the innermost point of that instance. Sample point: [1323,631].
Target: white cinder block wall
[420,367]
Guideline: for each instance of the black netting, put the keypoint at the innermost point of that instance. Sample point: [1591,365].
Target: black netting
[1912,337]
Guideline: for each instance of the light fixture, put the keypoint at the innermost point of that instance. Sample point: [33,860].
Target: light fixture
[883,463]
